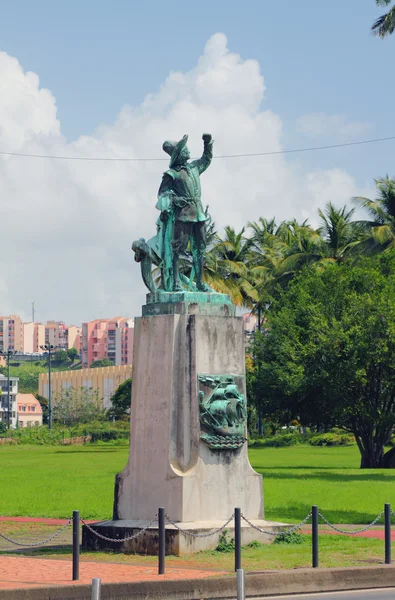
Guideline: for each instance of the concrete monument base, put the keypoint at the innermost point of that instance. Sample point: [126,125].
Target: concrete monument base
[177,543]
[188,449]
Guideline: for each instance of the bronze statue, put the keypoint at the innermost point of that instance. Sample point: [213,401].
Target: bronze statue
[182,221]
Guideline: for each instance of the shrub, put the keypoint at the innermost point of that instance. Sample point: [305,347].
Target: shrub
[290,538]
[332,439]
[225,544]
[278,441]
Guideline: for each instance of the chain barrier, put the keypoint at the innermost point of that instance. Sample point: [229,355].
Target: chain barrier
[125,539]
[276,533]
[35,544]
[200,535]
[347,531]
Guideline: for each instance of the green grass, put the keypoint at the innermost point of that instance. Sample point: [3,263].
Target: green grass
[42,481]
[47,481]
[296,478]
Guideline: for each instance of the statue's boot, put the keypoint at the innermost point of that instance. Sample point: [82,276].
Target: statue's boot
[177,287]
[200,284]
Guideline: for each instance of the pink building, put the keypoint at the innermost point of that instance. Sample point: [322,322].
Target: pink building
[107,338]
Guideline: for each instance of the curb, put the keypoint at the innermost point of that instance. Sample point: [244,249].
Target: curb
[269,583]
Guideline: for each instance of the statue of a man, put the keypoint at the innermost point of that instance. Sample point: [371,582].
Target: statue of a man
[179,197]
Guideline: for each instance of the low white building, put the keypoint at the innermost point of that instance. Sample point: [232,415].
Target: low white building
[4,400]
[30,413]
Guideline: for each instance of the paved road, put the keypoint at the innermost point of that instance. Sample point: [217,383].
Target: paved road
[374,594]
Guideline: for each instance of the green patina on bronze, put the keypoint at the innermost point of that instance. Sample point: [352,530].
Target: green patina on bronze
[223,411]
[181,226]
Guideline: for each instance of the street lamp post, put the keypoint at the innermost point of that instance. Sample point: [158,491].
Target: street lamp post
[49,348]
[8,353]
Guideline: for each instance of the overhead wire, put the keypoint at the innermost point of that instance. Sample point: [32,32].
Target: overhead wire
[245,155]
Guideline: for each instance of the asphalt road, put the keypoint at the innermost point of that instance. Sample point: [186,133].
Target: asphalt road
[374,594]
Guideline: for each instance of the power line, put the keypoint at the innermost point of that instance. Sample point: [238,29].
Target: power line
[291,151]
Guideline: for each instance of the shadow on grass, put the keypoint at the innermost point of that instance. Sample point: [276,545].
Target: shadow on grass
[99,449]
[332,477]
[297,512]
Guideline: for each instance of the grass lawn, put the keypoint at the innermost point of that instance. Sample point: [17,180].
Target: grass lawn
[51,481]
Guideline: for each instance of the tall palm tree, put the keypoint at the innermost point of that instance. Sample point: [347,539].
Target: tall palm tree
[384,25]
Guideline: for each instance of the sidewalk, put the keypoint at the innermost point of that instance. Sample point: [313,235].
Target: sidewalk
[21,572]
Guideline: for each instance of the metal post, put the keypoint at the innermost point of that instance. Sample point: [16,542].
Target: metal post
[49,390]
[241,589]
[387,527]
[96,589]
[314,535]
[162,541]
[8,381]
[76,545]
[237,539]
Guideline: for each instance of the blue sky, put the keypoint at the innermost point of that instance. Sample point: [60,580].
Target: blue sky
[327,81]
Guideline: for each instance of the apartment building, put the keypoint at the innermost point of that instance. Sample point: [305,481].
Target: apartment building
[11,333]
[103,380]
[4,400]
[107,338]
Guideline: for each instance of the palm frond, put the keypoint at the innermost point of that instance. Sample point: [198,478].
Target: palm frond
[384,25]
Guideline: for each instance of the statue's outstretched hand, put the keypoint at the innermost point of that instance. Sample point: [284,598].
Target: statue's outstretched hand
[207,137]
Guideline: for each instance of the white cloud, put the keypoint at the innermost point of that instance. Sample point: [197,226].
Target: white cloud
[321,124]
[67,226]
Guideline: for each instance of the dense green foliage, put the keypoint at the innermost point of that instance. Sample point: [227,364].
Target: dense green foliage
[120,401]
[102,362]
[89,433]
[327,352]
[72,354]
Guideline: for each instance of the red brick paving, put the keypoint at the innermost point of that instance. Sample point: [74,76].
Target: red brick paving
[20,572]
[370,533]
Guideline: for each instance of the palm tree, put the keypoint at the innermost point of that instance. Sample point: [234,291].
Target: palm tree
[227,267]
[384,25]
[339,233]
[381,226]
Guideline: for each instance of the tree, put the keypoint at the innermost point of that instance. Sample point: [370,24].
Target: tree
[120,401]
[72,354]
[44,407]
[102,362]
[380,227]
[60,357]
[327,352]
[384,25]
[79,405]
[339,233]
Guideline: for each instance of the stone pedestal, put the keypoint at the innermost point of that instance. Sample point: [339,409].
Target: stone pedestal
[179,343]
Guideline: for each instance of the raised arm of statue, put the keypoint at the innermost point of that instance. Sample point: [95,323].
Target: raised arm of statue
[204,162]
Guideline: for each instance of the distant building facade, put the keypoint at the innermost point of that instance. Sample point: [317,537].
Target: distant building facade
[30,413]
[107,338]
[103,380]
[11,333]
[4,400]
[59,334]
